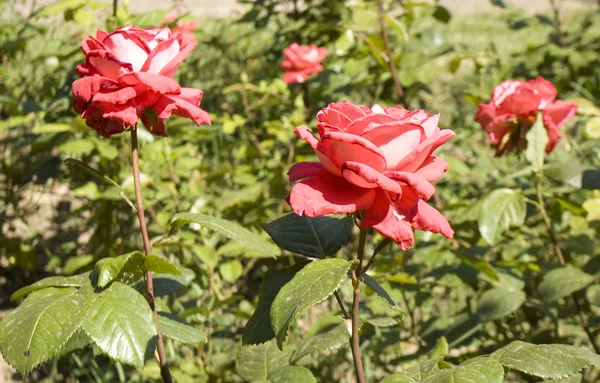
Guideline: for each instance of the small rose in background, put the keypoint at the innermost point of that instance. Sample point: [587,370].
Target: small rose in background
[513,110]
[301,61]
[377,161]
[128,76]
[186,28]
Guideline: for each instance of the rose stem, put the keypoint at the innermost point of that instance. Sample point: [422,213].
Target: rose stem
[561,258]
[557,24]
[388,51]
[115,6]
[162,356]
[356,277]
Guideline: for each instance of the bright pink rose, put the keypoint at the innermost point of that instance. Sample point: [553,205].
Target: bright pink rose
[128,75]
[186,28]
[513,111]
[377,161]
[301,61]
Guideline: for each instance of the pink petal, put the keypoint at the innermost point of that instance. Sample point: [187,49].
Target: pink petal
[405,205]
[154,124]
[86,87]
[382,217]
[107,65]
[396,111]
[523,102]
[485,114]
[500,127]
[367,177]
[503,90]
[395,140]
[303,170]
[430,125]
[170,104]
[128,48]
[369,122]
[303,133]
[422,186]
[155,82]
[545,89]
[350,110]
[333,117]
[432,169]
[185,49]
[343,147]
[560,112]
[413,160]
[191,95]
[160,56]
[429,219]
[322,195]
[118,96]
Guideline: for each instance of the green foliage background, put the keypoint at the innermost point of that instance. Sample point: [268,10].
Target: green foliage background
[497,282]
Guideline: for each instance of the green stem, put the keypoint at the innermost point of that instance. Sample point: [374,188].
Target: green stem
[356,279]
[162,356]
[561,258]
[115,6]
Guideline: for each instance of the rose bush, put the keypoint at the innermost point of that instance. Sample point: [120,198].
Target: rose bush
[128,75]
[512,111]
[377,161]
[301,61]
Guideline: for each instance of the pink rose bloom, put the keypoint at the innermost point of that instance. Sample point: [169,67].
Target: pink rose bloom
[186,28]
[513,110]
[376,161]
[301,61]
[128,75]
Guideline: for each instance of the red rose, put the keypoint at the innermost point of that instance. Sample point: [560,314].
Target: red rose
[128,75]
[375,160]
[513,110]
[301,61]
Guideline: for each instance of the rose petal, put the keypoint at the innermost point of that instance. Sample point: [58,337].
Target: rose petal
[432,169]
[153,81]
[419,184]
[160,56]
[86,87]
[107,65]
[560,112]
[364,176]
[343,147]
[382,217]
[154,124]
[322,195]
[303,133]
[171,67]
[333,117]
[303,170]
[369,122]
[545,89]
[413,160]
[395,140]
[503,90]
[170,104]
[128,48]
[429,219]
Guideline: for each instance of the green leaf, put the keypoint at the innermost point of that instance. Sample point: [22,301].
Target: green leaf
[546,361]
[314,283]
[593,295]
[562,282]
[78,280]
[80,146]
[399,378]
[229,229]
[442,14]
[480,265]
[260,361]
[59,7]
[292,374]
[537,139]
[177,329]
[319,237]
[124,268]
[35,331]
[499,302]
[165,284]
[398,26]
[372,283]
[440,348]
[160,265]
[331,336]
[71,162]
[501,209]
[79,340]
[231,271]
[258,329]
[120,323]
[480,369]
[106,149]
